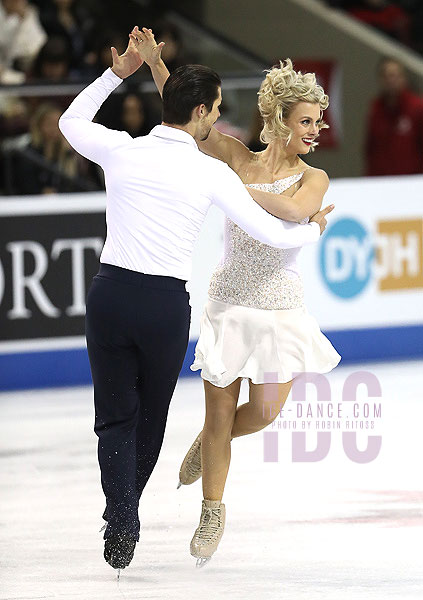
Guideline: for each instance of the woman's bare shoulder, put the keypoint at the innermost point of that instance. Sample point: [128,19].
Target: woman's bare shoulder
[316,175]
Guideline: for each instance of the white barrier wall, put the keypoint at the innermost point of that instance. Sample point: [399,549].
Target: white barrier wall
[363,280]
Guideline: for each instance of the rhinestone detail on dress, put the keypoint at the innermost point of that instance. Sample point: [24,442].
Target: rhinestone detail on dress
[255,274]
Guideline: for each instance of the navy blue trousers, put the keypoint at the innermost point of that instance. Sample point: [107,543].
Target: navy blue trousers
[137,329]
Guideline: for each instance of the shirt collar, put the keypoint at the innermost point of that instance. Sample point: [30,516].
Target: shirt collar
[171,133]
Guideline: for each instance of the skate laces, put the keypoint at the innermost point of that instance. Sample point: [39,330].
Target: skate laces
[209,524]
[194,462]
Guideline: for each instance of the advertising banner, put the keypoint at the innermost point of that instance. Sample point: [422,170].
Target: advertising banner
[48,255]
[367,270]
[49,250]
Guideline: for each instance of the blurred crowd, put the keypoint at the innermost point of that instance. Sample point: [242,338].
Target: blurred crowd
[62,41]
[57,40]
[400,19]
[65,41]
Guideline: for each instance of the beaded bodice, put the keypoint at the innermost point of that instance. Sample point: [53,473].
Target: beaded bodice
[254,274]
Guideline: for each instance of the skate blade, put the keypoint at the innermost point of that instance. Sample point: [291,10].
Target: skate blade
[202,561]
[118,575]
[103,528]
[179,485]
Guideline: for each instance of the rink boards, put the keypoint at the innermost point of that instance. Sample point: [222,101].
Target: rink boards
[363,281]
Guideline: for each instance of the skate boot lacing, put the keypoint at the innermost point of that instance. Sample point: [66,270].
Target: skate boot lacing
[193,465]
[210,524]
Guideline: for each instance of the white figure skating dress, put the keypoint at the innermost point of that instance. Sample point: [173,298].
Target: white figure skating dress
[255,321]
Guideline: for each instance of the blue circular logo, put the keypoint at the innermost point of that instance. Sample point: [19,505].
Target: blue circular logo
[346,255]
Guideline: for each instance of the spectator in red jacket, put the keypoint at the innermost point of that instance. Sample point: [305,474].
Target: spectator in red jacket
[394,144]
[386,16]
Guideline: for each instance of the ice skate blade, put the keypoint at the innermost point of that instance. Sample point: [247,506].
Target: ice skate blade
[201,562]
[179,485]
[103,528]
[118,575]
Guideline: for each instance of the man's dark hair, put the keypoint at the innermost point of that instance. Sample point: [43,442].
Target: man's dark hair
[187,87]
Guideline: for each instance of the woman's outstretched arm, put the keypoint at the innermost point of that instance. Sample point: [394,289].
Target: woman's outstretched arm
[221,146]
[151,53]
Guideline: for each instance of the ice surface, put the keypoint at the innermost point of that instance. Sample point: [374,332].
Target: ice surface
[331,529]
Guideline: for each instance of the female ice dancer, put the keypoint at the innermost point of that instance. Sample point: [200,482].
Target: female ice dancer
[255,322]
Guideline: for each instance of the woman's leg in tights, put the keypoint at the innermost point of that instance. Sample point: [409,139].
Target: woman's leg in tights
[224,421]
[216,438]
[265,403]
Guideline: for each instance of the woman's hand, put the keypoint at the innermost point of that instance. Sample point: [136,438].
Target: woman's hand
[127,63]
[148,50]
[320,217]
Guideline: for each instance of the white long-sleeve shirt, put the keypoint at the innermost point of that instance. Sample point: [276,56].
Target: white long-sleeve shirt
[159,189]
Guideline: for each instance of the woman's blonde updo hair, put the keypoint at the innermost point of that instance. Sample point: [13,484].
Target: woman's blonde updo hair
[279,92]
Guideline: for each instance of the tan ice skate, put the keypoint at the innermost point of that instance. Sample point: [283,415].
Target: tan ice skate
[191,469]
[209,532]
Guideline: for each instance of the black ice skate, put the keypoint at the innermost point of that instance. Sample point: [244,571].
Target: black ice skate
[119,550]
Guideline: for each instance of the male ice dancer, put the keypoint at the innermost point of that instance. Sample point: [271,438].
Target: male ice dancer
[159,189]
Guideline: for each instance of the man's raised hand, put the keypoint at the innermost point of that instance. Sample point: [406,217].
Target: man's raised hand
[127,63]
[144,41]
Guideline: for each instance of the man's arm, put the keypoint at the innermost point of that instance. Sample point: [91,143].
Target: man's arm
[93,140]
[230,195]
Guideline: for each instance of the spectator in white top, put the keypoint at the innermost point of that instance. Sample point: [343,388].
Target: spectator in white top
[159,188]
[21,37]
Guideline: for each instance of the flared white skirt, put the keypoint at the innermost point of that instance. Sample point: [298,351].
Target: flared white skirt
[238,341]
